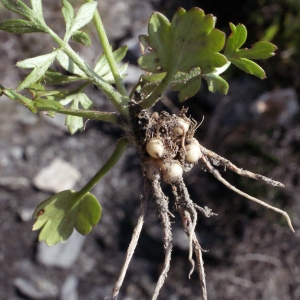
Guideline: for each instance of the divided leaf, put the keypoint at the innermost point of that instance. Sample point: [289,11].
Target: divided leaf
[189,41]
[19,26]
[40,64]
[102,67]
[55,78]
[83,17]
[75,123]
[60,214]
[242,57]
[66,62]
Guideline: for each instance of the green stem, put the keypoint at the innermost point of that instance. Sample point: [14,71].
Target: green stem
[108,53]
[160,89]
[89,114]
[117,154]
[116,98]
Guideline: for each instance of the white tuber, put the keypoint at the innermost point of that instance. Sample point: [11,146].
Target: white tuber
[171,171]
[193,152]
[155,148]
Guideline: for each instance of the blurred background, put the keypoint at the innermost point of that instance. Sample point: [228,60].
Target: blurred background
[252,254]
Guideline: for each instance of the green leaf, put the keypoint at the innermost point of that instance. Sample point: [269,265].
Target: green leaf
[189,41]
[242,57]
[19,26]
[249,67]
[189,89]
[37,61]
[102,67]
[42,64]
[18,7]
[44,104]
[21,99]
[60,214]
[56,78]
[82,38]
[68,14]
[37,8]
[66,62]
[83,17]
[216,83]
[76,123]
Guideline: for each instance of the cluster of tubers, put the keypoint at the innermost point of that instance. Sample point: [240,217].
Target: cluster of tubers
[171,145]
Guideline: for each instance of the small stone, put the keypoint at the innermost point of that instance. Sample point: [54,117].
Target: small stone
[32,284]
[14,183]
[58,176]
[63,254]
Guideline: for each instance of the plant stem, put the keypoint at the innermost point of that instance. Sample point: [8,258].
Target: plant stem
[157,93]
[116,155]
[108,53]
[116,98]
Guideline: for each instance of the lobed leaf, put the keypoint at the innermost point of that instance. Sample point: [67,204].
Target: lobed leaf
[189,41]
[59,215]
[76,123]
[19,26]
[242,57]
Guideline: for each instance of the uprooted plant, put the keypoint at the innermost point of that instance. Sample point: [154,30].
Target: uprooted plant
[176,55]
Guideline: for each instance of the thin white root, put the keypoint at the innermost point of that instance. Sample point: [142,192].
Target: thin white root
[131,248]
[226,183]
[191,237]
[164,214]
[219,160]
[198,251]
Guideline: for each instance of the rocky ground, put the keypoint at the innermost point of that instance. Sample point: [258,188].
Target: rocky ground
[252,254]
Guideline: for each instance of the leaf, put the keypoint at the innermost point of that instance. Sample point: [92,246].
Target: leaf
[37,61]
[82,38]
[66,62]
[242,57]
[56,78]
[75,123]
[68,14]
[189,89]
[19,26]
[37,8]
[18,7]
[44,104]
[42,64]
[189,41]
[60,214]
[216,83]
[83,17]
[102,67]
[21,99]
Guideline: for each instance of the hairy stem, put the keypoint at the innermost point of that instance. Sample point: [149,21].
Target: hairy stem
[108,53]
[116,98]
